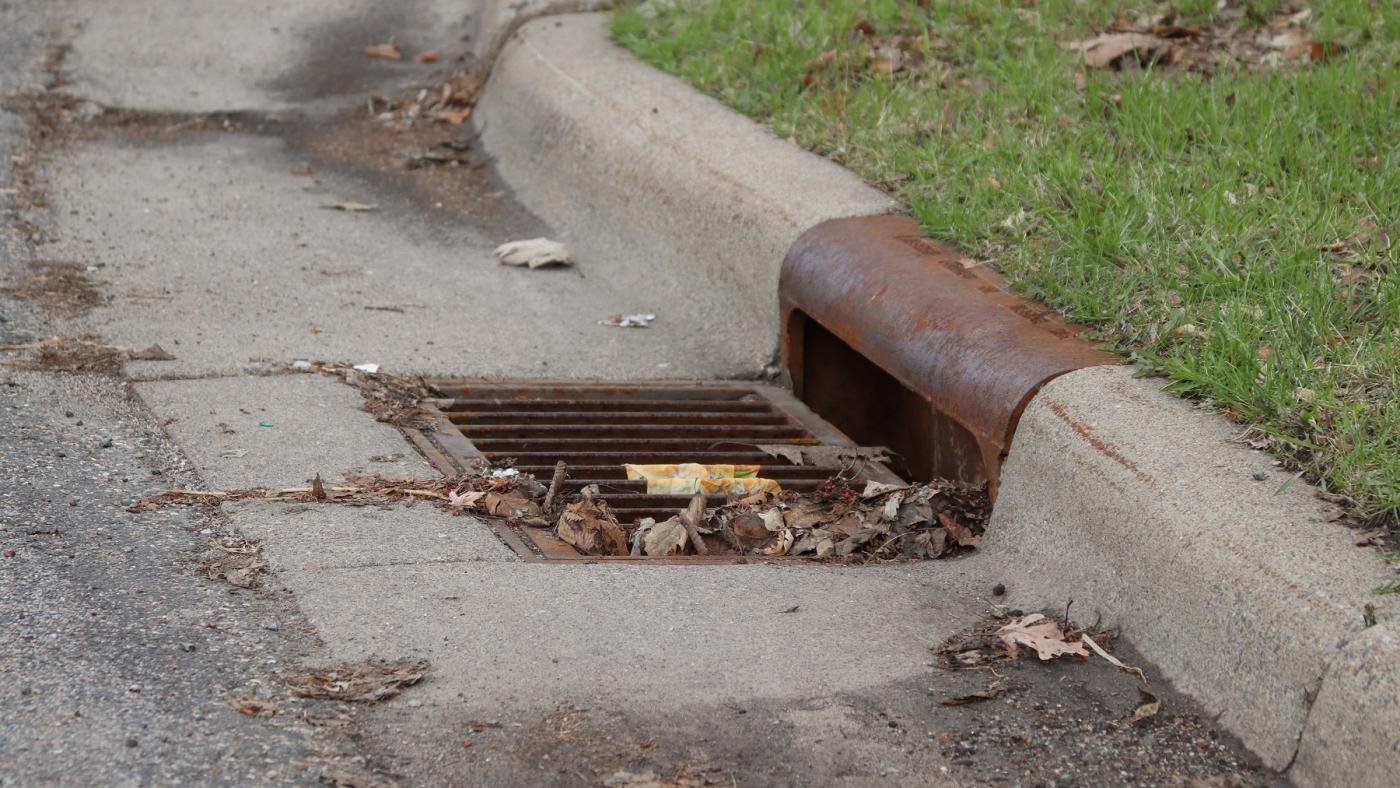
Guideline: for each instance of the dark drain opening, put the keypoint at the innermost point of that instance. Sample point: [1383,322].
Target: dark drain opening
[595,429]
[874,409]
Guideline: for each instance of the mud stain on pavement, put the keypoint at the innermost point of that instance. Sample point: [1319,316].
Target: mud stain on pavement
[1068,722]
[334,63]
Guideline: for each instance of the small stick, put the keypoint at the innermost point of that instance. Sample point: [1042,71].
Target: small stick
[690,518]
[554,485]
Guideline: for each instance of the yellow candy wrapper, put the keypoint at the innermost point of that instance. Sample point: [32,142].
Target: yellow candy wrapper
[689,478]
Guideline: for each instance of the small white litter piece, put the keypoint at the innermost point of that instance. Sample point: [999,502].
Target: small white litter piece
[536,253]
[640,320]
[301,364]
[369,367]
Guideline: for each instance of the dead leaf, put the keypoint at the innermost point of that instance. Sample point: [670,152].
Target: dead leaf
[318,488]
[792,454]
[1114,661]
[369,680]
[1368,537]
[990,693]
[1148,707]
[250,706]
[351,207]
[1041,635]
[665,538]
[389,50]
[466,500]
[152,353]
[427,57]
[590,527]
[959,533]
[535,253]
[1107,49]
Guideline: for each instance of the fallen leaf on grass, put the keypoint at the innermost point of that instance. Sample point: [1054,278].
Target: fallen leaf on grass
[639,320]
[1103,51]
[351,207]
[389,50]
[370,680]
[249,706]
[535,253]
[1041,635]
[1148,707]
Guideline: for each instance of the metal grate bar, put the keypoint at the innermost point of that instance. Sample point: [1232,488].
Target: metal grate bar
[597,428]
[608,405]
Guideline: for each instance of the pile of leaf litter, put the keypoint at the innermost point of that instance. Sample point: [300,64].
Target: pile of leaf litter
[1232,37]
[834,523]
[1003,635]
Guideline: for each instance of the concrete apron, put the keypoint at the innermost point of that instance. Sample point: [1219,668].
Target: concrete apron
[678,206]
[515,640]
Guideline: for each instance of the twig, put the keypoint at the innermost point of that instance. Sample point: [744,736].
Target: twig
[690,518]
[554,485]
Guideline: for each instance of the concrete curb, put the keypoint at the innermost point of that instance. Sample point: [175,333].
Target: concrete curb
[707,194]
[1115,494]
[1141,508]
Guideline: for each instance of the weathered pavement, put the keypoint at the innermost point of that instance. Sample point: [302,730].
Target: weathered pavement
[189,177]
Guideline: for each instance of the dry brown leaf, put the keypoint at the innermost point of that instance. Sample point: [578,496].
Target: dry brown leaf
[389,50]
[427,57]
[1365,538]
[958,532]
[369,680]
[250,706]
[1103,51]
[1041,635]
[665,538]
[590,527]
[1112,660]
[152,353]
[1148,707]
[990,693]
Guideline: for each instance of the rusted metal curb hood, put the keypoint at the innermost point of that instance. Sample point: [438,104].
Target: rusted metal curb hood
[870,306]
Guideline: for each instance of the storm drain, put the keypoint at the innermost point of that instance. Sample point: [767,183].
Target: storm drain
[597,429]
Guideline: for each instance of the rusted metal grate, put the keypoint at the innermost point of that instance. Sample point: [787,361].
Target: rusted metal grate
[597,428]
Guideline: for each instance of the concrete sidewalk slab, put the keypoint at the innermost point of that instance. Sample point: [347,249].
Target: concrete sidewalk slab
[1144,509]
[266,56]
[335,536]
[317,423]
[400,287]
[707,198]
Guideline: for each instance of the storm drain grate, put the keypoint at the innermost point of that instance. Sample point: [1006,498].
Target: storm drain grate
[597,428]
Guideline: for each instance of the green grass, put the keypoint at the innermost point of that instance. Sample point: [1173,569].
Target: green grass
[1181,216]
